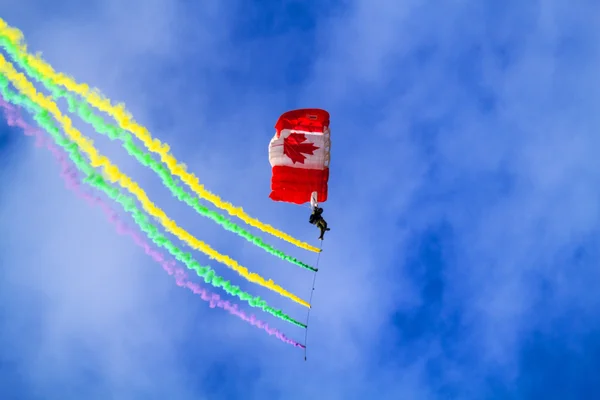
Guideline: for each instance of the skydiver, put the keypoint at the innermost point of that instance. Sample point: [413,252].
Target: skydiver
[317,219]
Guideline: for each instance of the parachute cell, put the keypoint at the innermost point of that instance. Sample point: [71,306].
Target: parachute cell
[299,156]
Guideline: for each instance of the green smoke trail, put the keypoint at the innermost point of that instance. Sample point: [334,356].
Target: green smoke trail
[44,119]
[86,113]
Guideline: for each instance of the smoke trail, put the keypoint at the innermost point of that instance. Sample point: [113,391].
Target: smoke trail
[72,183]
[70,177]
[115,175]
[86,113]
[37,67]
[93,178]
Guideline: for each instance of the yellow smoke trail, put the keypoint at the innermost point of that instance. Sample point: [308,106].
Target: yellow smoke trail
[126,121]
[115,175]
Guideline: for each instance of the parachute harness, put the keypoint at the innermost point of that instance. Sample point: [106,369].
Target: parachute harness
[311,296]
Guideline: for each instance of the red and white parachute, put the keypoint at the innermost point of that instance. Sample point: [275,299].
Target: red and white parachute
[299,157]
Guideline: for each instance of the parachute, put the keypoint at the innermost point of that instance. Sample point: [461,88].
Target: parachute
[299,157]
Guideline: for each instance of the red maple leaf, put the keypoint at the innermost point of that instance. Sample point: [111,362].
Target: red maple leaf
[295,148]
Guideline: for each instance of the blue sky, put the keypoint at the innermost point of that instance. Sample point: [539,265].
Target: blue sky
[464,202]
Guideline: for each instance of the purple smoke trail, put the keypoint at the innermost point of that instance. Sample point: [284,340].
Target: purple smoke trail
[72,182]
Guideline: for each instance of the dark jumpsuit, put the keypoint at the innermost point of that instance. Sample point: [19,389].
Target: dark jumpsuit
[317,219]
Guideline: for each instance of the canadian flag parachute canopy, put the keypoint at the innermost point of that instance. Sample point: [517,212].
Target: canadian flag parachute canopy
[299,156]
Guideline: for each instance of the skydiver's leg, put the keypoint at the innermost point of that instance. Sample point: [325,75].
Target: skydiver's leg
[323,227]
